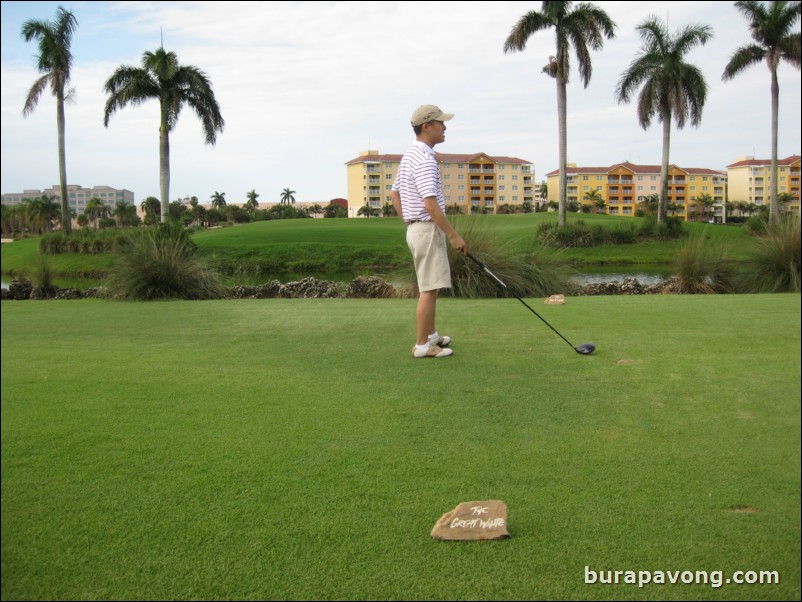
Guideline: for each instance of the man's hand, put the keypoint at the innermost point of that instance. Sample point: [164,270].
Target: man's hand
[458,244]
[439,218]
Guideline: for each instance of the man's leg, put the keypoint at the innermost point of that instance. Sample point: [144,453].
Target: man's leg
[427,304]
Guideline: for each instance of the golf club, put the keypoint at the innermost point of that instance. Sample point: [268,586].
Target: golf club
[584,349]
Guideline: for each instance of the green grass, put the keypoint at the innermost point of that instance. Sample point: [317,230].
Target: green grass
[366,245]
[292,449]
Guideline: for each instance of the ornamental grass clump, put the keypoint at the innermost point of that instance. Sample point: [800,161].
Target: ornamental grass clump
[702,267]
[528,270]
[162,264]
[774,263]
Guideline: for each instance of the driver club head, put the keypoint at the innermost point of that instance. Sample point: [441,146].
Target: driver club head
[585,349]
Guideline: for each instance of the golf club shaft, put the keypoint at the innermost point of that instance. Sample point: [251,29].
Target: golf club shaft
[501,282]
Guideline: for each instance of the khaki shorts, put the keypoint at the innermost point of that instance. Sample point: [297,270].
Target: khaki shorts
[428,245]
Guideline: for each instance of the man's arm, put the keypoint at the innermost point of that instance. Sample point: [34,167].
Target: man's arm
[439,218]
[397,203]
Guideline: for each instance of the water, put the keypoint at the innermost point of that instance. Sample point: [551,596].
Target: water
[645,275]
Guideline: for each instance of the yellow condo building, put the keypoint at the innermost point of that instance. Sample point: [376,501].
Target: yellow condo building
[750,181]
[624,186]
[472,183]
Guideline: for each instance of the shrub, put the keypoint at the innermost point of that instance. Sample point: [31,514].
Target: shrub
[702,267]
[528,271]
[162,265]
[43,278]
[774,264]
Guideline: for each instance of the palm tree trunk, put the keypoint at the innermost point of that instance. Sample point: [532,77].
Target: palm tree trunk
[563,143]
[66,222]
[164,172]
[663,202]
[774,209]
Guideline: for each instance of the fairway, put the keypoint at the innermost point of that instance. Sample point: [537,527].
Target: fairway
[293,450]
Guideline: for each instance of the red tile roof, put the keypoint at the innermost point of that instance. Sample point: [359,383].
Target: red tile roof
[638,169]
[762,162]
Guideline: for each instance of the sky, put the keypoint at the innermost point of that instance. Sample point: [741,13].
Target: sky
[304,87]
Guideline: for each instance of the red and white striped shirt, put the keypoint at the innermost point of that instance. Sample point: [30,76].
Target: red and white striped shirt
[418,177]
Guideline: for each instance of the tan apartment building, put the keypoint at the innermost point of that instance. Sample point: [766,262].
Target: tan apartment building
[470,182]
[624,186]
[750,180]
[79,196]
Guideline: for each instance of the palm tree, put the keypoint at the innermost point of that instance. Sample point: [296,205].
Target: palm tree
[43,211]
[771,27]
[151,208]
[173,85]
[7,219]
[585,26]
[287,196]
[708,203]
[197,211]
[95,209]
[251,204]
[595,198]
[671,86]
[54,62]
[125,214]
[368,211]
[650,204]
[218,200]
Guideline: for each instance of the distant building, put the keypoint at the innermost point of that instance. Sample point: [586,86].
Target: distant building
[624,186]
[750,180]
[79,196]
[476,180]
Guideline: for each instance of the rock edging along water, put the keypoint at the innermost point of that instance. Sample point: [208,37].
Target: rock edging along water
[361,287]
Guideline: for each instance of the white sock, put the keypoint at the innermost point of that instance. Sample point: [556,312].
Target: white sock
[434,337]
[423,347]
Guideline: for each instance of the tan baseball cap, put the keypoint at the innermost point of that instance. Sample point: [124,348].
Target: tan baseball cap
[427,113]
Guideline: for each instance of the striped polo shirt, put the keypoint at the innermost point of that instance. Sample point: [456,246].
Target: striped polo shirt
[418,177]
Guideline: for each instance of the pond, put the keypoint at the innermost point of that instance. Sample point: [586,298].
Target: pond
[645,274]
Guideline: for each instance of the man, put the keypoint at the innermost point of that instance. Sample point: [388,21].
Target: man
[418,198]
